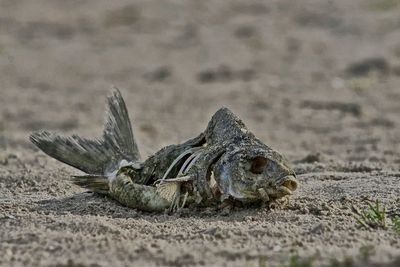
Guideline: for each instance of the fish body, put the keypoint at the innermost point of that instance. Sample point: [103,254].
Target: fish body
[225,162]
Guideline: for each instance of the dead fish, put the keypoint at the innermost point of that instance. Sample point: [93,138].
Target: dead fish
[225,162]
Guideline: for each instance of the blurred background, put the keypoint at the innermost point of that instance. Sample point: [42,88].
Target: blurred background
[315,80]
[305,76]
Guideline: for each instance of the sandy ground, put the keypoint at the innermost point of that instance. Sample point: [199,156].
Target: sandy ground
[310,78]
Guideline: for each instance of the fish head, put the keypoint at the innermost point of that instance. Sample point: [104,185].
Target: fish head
[254,173]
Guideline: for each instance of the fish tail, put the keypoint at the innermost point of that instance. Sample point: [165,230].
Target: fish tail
[118,134]
[99,158]
[89,156]
[95,183]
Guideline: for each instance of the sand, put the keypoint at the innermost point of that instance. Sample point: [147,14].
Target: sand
[316,80]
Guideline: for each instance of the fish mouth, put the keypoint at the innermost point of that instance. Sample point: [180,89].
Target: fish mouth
[289,184]
[286,187]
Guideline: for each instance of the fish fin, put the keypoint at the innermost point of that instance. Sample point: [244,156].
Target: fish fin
[118,130]
[89,156]
[101,156]
[96,183]
[168,191]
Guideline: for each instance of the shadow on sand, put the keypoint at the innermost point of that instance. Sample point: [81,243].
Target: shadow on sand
[88,203]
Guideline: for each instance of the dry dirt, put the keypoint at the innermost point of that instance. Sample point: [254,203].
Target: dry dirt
[316,80]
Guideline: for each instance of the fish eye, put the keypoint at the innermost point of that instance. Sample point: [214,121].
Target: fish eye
[258,164]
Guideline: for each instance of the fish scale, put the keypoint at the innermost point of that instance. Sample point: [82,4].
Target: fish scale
[225,162]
